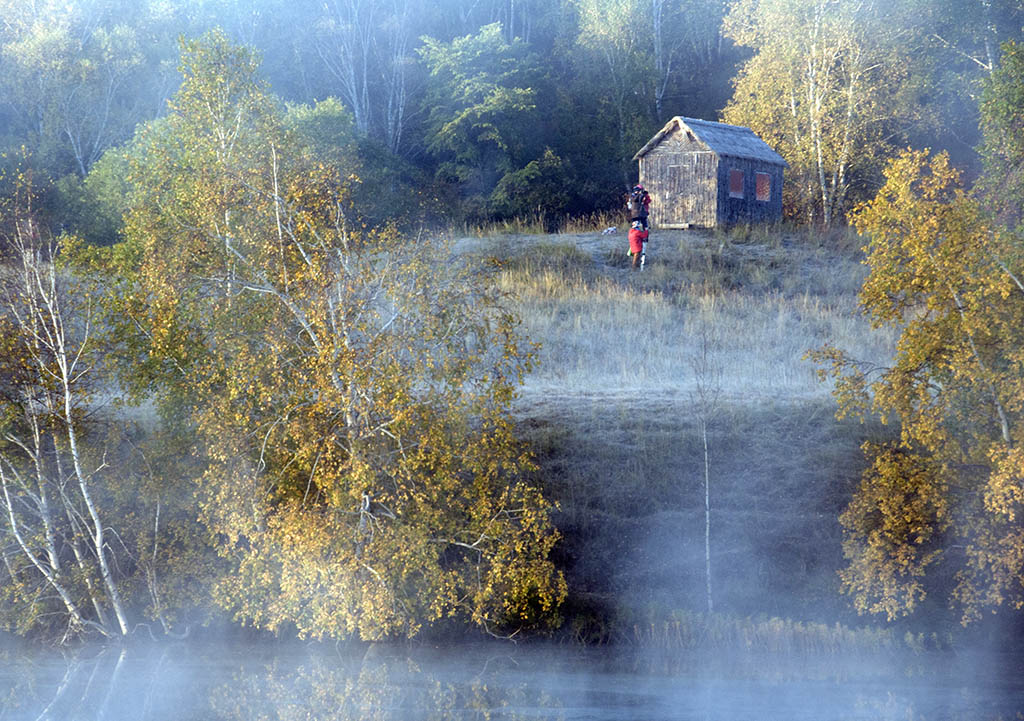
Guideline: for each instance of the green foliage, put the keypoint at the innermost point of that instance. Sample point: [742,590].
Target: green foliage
[73,85]
[1002,124]
[613,56]
[384,188]
[481,106]
[326,127]
[543,188]
[94,208]
[37,65]
[79,76]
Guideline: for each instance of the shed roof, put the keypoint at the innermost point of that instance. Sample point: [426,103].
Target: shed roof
[731,140]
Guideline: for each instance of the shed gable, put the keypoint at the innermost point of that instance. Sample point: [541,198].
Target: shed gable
[680,140]
[725,140]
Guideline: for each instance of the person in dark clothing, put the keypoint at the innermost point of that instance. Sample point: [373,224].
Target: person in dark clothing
[639,205]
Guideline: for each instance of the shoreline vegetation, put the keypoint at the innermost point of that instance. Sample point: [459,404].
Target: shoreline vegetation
[608,415]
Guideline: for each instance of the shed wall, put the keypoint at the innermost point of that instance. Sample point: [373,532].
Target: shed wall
[680,173]
[748,209]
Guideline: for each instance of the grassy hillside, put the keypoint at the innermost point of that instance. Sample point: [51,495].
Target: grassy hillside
[612,410]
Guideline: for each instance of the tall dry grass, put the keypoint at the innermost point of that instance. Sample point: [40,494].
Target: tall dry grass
[758,301]
[496,229]
[537,225]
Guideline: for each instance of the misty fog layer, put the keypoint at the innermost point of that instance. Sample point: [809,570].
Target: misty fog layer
[494,681]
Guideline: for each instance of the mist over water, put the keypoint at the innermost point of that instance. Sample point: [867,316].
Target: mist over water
[492,681]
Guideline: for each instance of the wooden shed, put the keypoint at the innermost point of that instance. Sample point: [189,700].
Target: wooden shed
[704,174]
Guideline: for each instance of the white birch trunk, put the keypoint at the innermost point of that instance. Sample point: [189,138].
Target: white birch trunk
[56,350]
[707,516]
[67,363]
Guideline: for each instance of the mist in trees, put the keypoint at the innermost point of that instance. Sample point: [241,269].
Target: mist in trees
[448,101]
[95,541]
[226,228]
[325,441]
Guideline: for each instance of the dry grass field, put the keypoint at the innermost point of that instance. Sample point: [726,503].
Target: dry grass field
[757,304]
[612,407]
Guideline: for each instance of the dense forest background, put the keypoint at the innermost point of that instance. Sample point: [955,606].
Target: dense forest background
[474,111]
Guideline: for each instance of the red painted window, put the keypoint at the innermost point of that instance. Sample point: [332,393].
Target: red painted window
[764,186]
[735,183]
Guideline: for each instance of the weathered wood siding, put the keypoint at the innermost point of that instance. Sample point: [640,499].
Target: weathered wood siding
[681,175]
[687,168]
[748,209]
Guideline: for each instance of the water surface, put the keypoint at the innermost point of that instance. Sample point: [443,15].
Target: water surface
[496,682]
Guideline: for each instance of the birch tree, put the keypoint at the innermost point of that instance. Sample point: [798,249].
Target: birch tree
[349,393]
[946,498]
[973,31]
[72,82]
[56,532]
[614,39]
[97,109]
[821,89]
[706,399]
[35,82]
[684,36]
[394,52]
[344,41]
[663,55]
[368,48]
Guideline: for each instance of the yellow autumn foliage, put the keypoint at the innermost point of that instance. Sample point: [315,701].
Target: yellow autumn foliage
[948,493]
[348,391]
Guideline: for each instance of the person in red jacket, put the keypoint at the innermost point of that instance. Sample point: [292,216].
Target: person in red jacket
[637,244]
